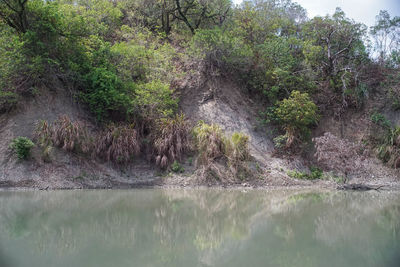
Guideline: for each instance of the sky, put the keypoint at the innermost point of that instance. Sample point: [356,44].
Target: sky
[360,10]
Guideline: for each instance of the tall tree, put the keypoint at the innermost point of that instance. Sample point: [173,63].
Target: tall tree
[13,12]
[386,33]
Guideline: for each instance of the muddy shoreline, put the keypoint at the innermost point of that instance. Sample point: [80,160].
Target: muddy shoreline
[162,183]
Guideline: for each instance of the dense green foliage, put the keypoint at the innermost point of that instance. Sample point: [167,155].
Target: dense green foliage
[296,114]
[22,147]
[313,174]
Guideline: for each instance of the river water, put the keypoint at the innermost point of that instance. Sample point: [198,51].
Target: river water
[199,227]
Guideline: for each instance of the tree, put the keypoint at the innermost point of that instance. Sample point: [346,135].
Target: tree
[337,53]
[340,38]
[386,33]
[167,14]
[194,13]
[13,13]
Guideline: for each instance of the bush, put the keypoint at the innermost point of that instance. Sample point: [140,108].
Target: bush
[210,142]
[237,152]
[8,100]
[389,148]
[172,140]
[145,57]
[64,133]
[237,148]
[313,174]
[296,115]
[380,120]
[22,146]
[118,143]
[106,95]
[387,142]
[176,167]
[154,100]
[222,49]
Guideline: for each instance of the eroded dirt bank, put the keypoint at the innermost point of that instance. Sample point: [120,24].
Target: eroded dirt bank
[219,101]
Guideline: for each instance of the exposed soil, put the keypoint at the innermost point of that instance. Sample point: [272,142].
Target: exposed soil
[219,100]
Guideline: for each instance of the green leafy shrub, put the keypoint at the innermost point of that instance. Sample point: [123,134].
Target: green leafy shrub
[296,115]
[313,174]
[143,57]
[22,146]
[154,100]
[106,94]
[389,149]
[177,167]
[172,140]
[387,141]
[222,49]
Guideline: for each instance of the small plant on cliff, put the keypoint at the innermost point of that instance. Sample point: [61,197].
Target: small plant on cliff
[22,146]
[388,143]
[209,142]
[380,119]
[118,143]
[172,140]
[64,133]
[177,167]
[296,115]
[237,152]
[71,135]
[43,136]
[313,174]
[389,150]
[237,148]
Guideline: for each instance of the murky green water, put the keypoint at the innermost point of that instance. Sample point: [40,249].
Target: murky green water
[199,228]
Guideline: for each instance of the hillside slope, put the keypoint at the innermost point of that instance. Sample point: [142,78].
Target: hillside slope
[214,100]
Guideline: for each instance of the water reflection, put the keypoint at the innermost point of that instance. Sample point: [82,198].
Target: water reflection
[199,228]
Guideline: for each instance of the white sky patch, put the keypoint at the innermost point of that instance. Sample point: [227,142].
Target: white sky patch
[360,10]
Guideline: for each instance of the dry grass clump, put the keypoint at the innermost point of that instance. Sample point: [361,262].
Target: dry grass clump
[237,152]
[64,133]
[43,135]
[118,143]
[172,140]
[221,158]
[71,135]
[237,148]
[210,142]
[337,154]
